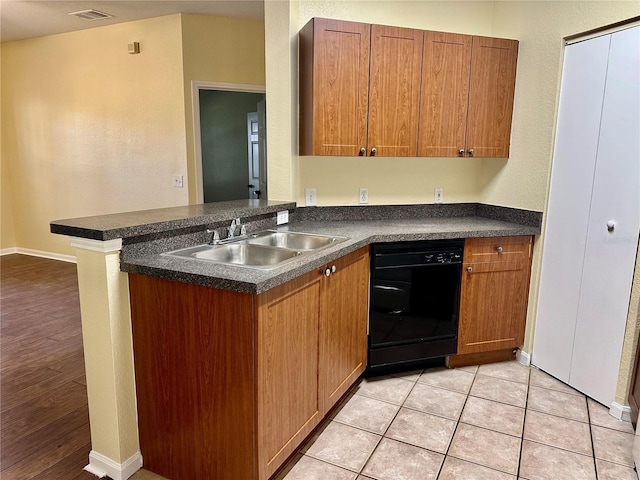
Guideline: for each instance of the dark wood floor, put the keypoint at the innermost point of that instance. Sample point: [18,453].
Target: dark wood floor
[43,397]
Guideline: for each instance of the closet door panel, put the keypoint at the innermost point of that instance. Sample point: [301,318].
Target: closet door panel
[610,254]
[582,90]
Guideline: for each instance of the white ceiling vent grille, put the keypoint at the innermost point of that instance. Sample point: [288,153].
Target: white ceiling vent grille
[91,15]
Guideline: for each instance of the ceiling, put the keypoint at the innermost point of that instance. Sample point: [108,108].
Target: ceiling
[20,19]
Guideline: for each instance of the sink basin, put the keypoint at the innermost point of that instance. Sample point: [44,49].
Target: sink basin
[264,250]
[293,240]
[243,254]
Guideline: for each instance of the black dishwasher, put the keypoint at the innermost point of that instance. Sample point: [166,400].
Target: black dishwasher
[415,297]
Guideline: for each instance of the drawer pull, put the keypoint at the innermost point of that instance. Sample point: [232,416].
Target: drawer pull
[329,270]
[469,269]
[499,249]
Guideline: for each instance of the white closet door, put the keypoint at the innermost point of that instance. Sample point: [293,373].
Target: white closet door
[582,90]
[610,255]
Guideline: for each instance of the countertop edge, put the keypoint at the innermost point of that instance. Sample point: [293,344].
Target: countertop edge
[128,225]
[256,282]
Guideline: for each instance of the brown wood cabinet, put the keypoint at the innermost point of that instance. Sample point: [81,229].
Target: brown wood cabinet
[229,384]
[391,91]
[359,89]
[468,86]
[287,364]
[494,294]
[344,317]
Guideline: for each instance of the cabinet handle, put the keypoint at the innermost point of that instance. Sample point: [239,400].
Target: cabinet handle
[471,152]
[469,269]
[329,270]
[611,226]
[461,152]
[499,249]
[373,151]
[363,151]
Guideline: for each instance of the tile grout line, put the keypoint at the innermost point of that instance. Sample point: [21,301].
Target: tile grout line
[593,443]
[524,422]
[458,421]
[446,454]
[383,436]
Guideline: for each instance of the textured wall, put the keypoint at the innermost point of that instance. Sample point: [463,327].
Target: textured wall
[88,129]
[7,230]
[540,26]
[631,337]
[520,181]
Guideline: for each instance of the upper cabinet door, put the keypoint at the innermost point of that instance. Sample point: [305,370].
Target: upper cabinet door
[492,86]
[445,93]
[334,83]
[394,91]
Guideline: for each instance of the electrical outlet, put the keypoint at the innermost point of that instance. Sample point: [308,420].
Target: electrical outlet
[364,196]
[310,197]
[282,217]
[438,195]
[178,181]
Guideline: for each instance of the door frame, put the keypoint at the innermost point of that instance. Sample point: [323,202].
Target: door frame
[196,86]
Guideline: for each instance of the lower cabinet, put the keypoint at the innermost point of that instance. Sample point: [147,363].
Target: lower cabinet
[229,384]
[494,295]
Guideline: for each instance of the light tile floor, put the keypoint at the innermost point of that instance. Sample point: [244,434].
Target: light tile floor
[494,422]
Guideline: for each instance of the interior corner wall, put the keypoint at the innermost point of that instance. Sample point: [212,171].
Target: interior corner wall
[540,26]
[88,129]
[631,339]
[7,230]
[222,50]
[523,180]
[281,75]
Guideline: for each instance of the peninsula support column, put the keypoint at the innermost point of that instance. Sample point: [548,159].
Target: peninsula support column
[108,357]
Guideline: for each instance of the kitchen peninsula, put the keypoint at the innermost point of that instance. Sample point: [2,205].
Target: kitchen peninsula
[221,351]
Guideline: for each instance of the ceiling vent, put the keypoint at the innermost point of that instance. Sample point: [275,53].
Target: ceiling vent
[91,15]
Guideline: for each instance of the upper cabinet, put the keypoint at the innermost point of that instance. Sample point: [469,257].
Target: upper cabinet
[445,94]
[390,91]
[353,102]
[394,91]
[334,87]
[468,85]
[491,88]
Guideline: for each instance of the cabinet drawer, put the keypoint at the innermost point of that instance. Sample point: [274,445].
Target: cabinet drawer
[497,249]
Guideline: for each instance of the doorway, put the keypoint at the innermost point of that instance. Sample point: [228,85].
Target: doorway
[230,130]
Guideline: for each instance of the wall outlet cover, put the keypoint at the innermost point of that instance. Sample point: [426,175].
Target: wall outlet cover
[310,197]
[438,196]
[364,196]
[178,181]
[282,217]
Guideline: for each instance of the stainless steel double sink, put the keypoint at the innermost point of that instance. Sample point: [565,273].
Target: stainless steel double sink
[263,250]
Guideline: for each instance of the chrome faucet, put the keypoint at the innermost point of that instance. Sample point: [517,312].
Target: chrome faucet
[235,224]
[215,236]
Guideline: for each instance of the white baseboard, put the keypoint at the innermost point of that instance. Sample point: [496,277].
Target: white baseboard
[101,466]
[523,357]
[39,253]
[621,412]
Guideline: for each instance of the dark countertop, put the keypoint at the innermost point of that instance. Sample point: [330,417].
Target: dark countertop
[360,233]
[147,222]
